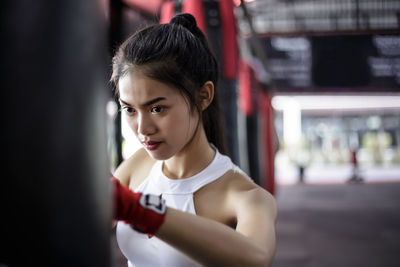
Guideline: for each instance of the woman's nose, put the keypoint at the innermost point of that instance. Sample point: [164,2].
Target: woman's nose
[145,125]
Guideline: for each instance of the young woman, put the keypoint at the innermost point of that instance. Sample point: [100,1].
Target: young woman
[192,206]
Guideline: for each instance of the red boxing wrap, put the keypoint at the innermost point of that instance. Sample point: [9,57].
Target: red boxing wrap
[145,213]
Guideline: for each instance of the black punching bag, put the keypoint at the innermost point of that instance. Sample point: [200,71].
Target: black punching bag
[55,198]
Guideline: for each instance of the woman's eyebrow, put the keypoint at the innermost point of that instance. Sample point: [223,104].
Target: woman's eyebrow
[153,101]
[148,103]
[124,102]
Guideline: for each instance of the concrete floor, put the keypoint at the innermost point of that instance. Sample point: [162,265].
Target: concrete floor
[338,225]
[354,225]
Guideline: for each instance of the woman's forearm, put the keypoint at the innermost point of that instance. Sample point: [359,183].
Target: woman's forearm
[211,243]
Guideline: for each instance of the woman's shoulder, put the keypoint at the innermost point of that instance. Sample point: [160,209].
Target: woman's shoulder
[241,196]
[132,171]
[242,189]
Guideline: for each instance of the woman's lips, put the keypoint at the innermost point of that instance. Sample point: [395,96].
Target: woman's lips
[151,145]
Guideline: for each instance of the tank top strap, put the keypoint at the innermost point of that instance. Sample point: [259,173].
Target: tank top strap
[144,185]
[157,182]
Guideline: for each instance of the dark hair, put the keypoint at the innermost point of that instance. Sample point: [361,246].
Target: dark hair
[179,55]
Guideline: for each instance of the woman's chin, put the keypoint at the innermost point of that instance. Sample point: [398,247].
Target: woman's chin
[158,155]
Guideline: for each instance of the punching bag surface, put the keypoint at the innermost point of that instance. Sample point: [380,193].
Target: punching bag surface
[55,200]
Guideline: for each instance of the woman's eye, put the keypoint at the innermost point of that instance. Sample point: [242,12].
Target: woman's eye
[156,109]
[128,110]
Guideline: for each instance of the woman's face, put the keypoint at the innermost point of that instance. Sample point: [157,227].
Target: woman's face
[158,114]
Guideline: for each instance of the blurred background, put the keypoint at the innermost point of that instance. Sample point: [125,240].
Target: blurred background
[310,93]
[311,101]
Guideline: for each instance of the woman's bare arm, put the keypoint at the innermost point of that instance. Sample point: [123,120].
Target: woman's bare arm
[214,244]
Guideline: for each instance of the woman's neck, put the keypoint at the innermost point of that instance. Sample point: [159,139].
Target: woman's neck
[192,159]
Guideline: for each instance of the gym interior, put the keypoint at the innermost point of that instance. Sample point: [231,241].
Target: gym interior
[310,97]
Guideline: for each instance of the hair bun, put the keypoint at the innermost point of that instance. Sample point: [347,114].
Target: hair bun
[186,20]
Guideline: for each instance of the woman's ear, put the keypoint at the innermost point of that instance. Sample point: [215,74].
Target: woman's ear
[206,94]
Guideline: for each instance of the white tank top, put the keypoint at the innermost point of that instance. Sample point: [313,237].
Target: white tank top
[142,250]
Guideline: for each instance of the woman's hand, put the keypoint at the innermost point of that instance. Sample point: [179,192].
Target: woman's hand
[144,212]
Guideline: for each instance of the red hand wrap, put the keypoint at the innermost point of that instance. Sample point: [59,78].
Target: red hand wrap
[145,213]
